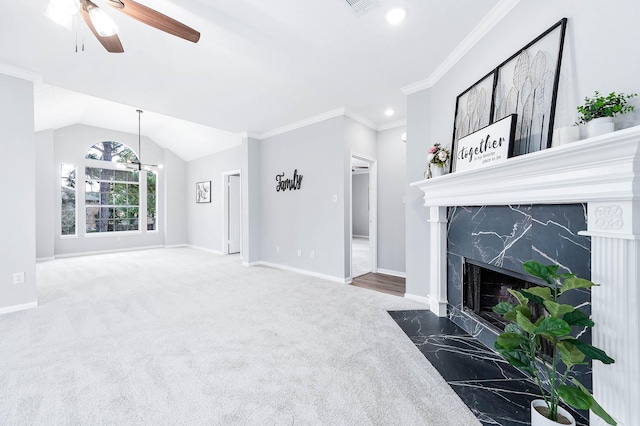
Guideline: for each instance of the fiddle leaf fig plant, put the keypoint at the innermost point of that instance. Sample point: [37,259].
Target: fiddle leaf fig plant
[521,342]
[599,106]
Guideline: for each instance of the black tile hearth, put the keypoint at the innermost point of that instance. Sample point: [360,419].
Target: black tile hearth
[496,392]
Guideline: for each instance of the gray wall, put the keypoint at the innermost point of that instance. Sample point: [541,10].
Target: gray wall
[176,199]
[391,207]
[591,62]
[360,206]
[70,146]
[18,176]
[305,219]
[206,219]
[46,191]
[251,207]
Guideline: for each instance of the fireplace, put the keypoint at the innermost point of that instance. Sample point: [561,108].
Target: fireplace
[573,173]
[485,286]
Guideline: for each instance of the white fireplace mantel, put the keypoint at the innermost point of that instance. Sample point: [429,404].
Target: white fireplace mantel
[603,172]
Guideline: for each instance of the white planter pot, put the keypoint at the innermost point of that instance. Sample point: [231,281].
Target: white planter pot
[600,126]
[565,135]
[538,419]
[437,171]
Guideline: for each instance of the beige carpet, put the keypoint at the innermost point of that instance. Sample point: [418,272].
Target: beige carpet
[183,337]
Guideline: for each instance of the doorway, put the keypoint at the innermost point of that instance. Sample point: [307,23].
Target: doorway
[363,217]
[232,208]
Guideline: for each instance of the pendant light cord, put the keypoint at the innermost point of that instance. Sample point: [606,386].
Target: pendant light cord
[139,144]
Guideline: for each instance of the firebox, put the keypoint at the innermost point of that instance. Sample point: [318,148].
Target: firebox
[486,285]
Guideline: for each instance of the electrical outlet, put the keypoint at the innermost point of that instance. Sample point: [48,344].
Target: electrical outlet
[277,249]
[312,254]
[18,277]
[299,252]
[335,198]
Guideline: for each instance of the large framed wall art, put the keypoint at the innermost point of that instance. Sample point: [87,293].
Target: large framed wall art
[524,86]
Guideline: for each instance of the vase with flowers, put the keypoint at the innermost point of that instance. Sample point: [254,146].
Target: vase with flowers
[438,161]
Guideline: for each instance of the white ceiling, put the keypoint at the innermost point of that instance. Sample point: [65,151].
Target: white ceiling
[259,65]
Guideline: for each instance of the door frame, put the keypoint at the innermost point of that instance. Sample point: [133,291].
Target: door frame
[373,211]
[225,210]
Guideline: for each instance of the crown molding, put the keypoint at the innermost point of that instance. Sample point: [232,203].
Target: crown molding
[392,125]
[302,123]
[19,73]
[487,24]
[360,119]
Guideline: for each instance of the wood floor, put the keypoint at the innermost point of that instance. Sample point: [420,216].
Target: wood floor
[382,283]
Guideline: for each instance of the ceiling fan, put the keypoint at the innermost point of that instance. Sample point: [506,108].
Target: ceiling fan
[103,27]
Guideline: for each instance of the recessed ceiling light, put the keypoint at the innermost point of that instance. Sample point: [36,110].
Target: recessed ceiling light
[396,15]
[389,112]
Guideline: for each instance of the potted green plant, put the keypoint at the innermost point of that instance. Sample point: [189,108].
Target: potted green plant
[521,342]
[598,111]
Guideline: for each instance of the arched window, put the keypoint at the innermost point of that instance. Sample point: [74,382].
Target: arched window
[115,152]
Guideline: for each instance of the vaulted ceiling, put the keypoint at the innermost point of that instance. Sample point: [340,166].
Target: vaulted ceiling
[259,65]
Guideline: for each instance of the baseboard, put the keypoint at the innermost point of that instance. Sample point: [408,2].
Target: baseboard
[16,308]
[421,299]
[437,307]
[304,272]
[249,264]
[219,253]
[45,259]
[176,246]
[392,273]
[93,253]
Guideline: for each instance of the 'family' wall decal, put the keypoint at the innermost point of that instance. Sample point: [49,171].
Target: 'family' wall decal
[290,184]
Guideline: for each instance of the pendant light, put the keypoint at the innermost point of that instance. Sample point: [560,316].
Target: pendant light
[139,166]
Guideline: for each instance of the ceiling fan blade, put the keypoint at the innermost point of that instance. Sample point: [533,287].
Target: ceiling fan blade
[155,19]
[111,43]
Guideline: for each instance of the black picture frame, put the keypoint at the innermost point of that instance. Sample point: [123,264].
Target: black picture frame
[527,85]
[474,110]
[541,113]
[203,192]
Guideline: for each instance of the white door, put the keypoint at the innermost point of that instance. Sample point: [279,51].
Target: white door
[235,214]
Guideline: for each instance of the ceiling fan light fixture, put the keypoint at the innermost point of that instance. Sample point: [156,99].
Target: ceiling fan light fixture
[102,22]
[62,12]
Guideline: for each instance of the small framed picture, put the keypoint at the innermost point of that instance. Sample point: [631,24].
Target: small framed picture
[203,192]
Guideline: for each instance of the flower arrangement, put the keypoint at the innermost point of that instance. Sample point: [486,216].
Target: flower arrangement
[599,106]
[438,155]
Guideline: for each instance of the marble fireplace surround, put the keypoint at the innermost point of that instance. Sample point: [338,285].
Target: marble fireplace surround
[604,173]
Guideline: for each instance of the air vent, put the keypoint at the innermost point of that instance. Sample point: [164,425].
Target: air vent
[361,6]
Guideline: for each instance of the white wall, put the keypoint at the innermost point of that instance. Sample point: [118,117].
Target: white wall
[360,204]
[391,207]
[305,219]
[205,220]
[47,186]
[175,200]
[70,146]
[17,191]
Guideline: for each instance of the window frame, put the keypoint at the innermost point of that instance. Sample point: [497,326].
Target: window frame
[100,164]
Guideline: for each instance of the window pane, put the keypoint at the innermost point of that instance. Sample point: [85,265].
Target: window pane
[68,199]
[151,201]
[111,151]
